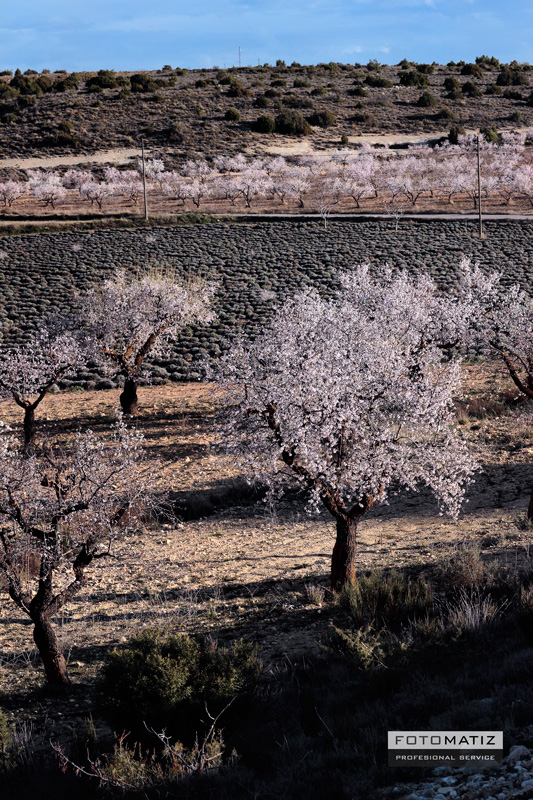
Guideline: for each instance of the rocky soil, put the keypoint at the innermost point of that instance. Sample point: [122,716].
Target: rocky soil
[255,266]
[189,117]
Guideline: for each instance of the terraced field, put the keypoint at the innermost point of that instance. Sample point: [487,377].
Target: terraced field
[255,265]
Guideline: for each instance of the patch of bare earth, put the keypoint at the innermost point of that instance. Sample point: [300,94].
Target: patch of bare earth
[245,569]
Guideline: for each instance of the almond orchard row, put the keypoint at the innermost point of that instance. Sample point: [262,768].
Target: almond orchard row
[445,173]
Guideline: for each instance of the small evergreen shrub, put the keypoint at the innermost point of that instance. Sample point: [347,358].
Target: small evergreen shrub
[489,62]
[232,115]
[426,69]
[322,119]
[452,85]
[261,101]
[104,79]
[292,123]
[358,91]
[472,69]
[377,82]
[510,76]
[490,134]
[167,680]
[141,82]
[264,124]
[493,88]
[414,78]
[512,94]
[446,114]
[470,89]
[426,100]
[455,132]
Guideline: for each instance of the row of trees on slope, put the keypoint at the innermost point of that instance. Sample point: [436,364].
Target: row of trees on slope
[346,176]
[352,397]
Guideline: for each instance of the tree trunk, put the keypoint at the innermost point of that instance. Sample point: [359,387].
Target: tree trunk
[343,558]
[128,398]
[53,659]
[29,425]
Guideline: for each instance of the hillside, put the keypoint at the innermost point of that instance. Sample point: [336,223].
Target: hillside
[184,111]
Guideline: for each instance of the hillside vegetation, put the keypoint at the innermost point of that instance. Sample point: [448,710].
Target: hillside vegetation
[216,111]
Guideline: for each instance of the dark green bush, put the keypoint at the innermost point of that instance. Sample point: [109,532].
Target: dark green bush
[7,92]
[414,78]
[455,132]
[261,101]
[60,139]
[70,83]
[264,124]
[6,72]
[493,88]
[232,115]
[426,69]
[452,85]
[490,134]
[104,79]
[322,119]
[377,82]
[446,114]
[470,89]
[510,76]
[512,94]
[140,82]
[363,118]
[157,678]
[426,100]
[489,62]
[472,69]
[25,85]
[201,84]
[26,101]
[301,83]
[237,89]
[292,123]
[358,91]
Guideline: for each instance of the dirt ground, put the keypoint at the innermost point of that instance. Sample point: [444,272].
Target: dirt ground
[253,569]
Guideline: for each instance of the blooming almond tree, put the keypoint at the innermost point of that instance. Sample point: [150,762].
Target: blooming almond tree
[133,316]
[61,508]
[11,191]
[28,372]
[46,186]
[352,398]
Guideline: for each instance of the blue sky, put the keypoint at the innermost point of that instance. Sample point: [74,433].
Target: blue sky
[130,34]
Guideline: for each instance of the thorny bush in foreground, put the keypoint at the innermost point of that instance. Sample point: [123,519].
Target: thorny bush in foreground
[352,397]
[61,507]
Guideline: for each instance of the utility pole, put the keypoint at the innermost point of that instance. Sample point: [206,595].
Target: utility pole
[479,191]
[144,180]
